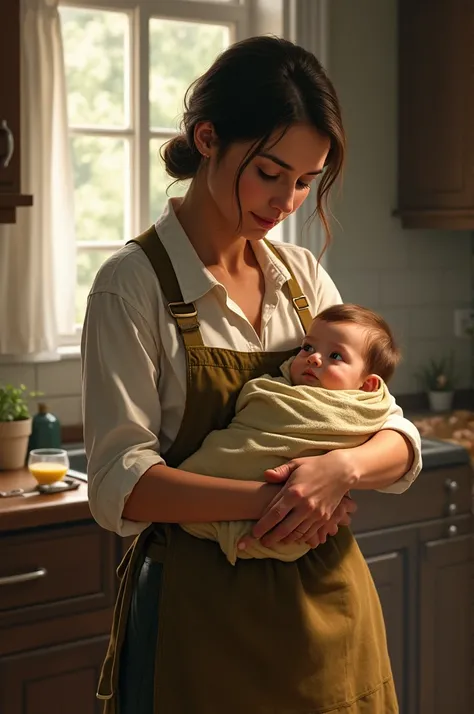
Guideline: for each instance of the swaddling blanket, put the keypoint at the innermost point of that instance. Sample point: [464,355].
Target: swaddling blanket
[273,423]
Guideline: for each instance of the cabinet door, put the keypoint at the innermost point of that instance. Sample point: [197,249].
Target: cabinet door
[59,680]
[436,113]
[391,557]
[446,633]
[10,92]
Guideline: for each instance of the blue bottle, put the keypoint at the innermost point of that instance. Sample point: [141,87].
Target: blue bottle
[45,430]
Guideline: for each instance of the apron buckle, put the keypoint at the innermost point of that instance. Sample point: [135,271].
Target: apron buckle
[300,303]
[189,311]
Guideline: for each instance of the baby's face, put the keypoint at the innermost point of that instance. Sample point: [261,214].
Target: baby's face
[332,356]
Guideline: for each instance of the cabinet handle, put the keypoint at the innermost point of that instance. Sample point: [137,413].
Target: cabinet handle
[452,531]
[452,509]
[24,577]
[6,131]
[451,484]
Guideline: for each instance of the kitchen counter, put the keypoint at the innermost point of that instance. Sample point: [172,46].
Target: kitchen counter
[456,427]
[35,510]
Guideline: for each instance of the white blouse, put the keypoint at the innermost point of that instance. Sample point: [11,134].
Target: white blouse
[133,361]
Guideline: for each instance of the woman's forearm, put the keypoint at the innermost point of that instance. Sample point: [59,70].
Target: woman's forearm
[168,495]
[381,461]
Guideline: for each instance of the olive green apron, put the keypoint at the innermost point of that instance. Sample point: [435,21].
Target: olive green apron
[262,637]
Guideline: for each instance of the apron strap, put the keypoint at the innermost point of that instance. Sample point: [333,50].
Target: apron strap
[184,313]
[299,300]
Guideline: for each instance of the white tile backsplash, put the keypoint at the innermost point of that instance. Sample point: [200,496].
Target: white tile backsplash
[422,275]
[455,285]
[17,374]
[431,323]
[67,409]
[408,287]
[59,378]
[59,384]
[361,286]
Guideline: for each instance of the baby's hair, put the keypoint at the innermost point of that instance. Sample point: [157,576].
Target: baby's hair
[382,353]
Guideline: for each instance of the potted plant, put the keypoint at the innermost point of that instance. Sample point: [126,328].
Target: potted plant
[437,379]
[15,426]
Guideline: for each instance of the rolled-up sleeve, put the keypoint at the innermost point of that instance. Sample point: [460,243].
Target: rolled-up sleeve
[397,422]
[121,406]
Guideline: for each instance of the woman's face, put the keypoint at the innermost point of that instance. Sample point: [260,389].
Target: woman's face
[273,185]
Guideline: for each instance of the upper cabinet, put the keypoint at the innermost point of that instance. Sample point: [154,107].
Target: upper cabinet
[436,114]
[10,166]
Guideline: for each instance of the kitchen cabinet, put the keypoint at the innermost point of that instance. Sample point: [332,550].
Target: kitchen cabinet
[392,560]
[446,634]
[11,196]
[54,623]
[58,679]
[57,591]
[420,550]
[436,114]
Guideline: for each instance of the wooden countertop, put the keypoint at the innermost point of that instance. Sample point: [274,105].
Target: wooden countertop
[30,511]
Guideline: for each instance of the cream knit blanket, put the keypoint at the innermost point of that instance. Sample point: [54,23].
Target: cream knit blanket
[275,422]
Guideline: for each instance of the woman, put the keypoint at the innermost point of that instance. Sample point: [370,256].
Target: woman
[177,321]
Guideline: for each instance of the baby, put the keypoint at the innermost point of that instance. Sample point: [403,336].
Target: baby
[331,395]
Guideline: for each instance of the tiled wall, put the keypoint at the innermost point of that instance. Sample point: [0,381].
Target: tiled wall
[59,382]
[414,278]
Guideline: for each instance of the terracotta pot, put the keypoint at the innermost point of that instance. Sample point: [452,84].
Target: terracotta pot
[14,443]
[440,401]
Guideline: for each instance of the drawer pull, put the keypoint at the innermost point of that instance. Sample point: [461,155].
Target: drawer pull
[10,144]
[452,509]
[451,484]
[452,531]
[23,577]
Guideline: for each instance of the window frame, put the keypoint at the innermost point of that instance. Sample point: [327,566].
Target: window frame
[234,15]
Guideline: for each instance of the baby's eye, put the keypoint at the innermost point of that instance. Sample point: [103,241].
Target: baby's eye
[335,355]
[307,348]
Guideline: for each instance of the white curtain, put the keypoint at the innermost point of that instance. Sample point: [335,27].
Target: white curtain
[37,254]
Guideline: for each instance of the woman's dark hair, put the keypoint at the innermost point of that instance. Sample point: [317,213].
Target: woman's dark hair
[255,88]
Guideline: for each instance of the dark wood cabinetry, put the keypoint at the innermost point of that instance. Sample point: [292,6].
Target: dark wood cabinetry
[392,560]
[436,114]
[57,592]
[10,151]
[58,588]
[446,619]
[424,574]
[57,680]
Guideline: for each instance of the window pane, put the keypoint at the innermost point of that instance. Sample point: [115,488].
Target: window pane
[160,181]
[179,53]
[88,263]
[96,55]
[101,168]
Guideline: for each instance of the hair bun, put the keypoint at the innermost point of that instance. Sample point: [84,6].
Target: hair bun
[181,161]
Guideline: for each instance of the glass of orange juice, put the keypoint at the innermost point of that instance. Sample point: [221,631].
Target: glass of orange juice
[48,465]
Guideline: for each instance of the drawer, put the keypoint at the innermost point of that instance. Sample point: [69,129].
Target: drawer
[437,493]
[52,572]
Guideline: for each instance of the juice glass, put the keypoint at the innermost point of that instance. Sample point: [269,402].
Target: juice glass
[48,465]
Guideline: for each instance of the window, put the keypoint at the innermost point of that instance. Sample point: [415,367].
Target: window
[128,65]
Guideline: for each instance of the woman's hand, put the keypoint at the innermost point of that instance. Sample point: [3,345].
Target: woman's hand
[314,487]
[340,517]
